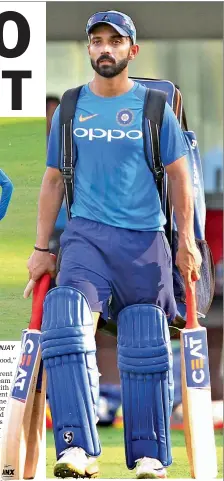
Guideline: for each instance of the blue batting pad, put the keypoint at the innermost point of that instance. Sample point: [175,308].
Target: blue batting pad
[69,356]
[145,365]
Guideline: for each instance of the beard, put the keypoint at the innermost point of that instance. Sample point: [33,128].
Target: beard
[110,70]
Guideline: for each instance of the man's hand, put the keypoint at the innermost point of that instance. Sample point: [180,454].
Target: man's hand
[188,261]
[38,264]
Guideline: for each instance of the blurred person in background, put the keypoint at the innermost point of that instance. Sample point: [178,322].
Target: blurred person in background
[115,257]
[213,170]
[52,102]
[7,189]
[213,181]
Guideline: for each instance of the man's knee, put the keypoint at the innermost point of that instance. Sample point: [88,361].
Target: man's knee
[96,315]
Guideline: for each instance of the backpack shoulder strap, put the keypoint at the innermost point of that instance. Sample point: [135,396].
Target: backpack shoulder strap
[67,164]
[154,106]
[153,112]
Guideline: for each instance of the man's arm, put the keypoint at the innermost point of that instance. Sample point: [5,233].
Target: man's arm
[188,257]
[52,188]
[50,200]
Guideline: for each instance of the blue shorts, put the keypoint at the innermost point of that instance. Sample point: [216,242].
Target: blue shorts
[117,267]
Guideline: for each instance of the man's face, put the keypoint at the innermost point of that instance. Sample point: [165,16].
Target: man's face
[109,52]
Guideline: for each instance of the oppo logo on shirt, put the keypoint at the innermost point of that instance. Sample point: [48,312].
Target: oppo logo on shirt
[108,134]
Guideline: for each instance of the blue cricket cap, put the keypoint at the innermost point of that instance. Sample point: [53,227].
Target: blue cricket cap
[119,21]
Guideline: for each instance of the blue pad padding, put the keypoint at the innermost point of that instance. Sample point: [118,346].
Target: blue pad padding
[69,356]
[145,365]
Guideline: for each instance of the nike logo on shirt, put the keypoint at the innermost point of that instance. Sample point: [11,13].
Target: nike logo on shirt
[83,119]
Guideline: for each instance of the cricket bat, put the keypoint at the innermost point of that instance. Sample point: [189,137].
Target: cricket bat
[36,452]
[25,405]
[196,394]
[38,417]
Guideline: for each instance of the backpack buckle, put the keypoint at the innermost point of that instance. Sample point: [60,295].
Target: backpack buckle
[158,173]
[68,173]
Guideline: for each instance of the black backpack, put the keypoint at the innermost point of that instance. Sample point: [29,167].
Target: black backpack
[156,96]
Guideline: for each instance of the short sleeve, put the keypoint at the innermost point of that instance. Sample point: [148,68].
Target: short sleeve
[172,141]
[53,142]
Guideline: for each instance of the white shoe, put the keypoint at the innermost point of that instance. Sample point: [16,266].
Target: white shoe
[149,468]
[74,463]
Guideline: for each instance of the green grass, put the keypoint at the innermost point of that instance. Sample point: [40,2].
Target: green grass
[22,154]
[112,461]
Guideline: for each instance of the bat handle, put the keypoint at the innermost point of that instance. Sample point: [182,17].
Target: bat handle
[39,292]
[192,320]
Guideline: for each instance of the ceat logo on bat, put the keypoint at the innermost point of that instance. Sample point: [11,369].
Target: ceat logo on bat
[25,368]
[196,359]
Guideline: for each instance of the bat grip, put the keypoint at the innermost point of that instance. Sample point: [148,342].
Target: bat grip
[192,320]
[39,292]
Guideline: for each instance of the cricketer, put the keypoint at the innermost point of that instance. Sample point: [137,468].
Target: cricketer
[116,262]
